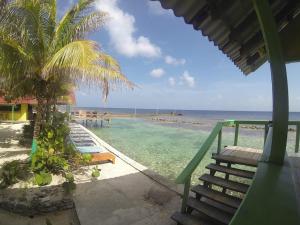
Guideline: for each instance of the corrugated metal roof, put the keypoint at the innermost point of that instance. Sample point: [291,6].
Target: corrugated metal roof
[233,27]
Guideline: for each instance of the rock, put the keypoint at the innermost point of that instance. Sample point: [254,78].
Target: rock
[33,201]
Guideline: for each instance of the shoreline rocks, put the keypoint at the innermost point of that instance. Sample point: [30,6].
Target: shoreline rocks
[35,201]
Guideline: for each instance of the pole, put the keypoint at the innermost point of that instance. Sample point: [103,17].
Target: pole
[279,81]
[13,112]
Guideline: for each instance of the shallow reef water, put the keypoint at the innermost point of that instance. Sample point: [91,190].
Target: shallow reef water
[167,149]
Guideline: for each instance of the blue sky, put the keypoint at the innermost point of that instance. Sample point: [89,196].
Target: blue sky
[174,66]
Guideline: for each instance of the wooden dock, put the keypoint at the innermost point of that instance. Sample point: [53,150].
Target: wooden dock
[91,118]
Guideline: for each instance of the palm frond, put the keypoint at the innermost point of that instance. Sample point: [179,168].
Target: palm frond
[34,49]
[83,61]
[64,27]
[87,24]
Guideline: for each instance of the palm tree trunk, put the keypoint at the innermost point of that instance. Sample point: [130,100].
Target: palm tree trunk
[37,124]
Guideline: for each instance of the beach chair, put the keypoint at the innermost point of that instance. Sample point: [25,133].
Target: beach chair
[85,144]
[98,154]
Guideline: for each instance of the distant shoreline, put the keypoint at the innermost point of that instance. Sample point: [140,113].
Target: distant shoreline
[166,118]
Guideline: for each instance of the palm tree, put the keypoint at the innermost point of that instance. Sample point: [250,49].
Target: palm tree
[37,51]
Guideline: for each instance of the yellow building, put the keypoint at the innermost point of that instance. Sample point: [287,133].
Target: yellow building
[17,110]
[22,109]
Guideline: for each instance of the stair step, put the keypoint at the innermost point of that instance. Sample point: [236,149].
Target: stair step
[188,219]
[235,160]
[217,196]
[231,171]
[232,185]
[219,205]
[210,211]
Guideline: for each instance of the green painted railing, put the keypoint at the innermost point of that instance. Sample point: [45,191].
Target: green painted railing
[186,174]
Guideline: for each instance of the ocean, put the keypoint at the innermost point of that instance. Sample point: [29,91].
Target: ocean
[166,143]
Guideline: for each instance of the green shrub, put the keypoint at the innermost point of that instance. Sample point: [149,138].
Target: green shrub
[95,172]
[55,155]
[42,178]
[13,172]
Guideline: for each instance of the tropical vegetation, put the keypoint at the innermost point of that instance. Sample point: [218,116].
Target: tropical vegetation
[46,57]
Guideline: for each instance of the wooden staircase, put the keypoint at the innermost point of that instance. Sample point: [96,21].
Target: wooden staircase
[216,200]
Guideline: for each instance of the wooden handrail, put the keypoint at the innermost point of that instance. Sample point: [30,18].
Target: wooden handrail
[186,174]
[190,168]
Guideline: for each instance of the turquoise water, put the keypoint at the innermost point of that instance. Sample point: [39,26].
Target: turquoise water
[167,149]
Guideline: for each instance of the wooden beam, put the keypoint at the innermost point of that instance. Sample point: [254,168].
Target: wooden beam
[279,81]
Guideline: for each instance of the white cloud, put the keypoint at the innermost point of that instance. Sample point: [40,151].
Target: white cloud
[157,73]
[156,8]
[172,81]
[173,61]
[187,79]
[121,29]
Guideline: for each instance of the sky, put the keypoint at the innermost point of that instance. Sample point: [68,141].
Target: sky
[174,66]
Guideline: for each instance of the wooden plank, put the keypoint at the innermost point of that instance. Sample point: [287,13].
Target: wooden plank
[219,206]
[102,157]
[210,211]
[244,149]
[232,185]
[257,156]
[217,196]
[226,152]
[272,193]
[231,171]
[188,219]
[235,160]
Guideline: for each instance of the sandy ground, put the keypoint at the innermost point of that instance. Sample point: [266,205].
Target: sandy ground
[9,142]
[123,194]
[11,150]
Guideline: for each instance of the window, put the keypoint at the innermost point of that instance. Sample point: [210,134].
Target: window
[8,108]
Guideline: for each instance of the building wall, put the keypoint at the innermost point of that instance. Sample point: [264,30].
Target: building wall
[21,115]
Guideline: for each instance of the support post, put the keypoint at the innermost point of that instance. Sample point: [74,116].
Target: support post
[279,81]
[297,138]
[236,134]
[266,130]
[186,193]
[68,111]
[13,112]
[219,141]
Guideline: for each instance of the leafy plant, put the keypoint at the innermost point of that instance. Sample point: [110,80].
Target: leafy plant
[43,56]
[95,172]
[43,178]
[55,155]
[12,172]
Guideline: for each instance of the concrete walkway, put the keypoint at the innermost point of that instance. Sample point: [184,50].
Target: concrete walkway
[125,195]
[9,142]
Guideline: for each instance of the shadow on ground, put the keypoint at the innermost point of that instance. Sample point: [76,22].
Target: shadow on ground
[132,199]
[8,137]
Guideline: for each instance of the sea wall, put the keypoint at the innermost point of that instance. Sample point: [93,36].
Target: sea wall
[36,200]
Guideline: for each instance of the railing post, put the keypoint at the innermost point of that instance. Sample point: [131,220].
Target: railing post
[13,112]
[186,193]
[297,138]
[266,133]
[236,134]
[219,141]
